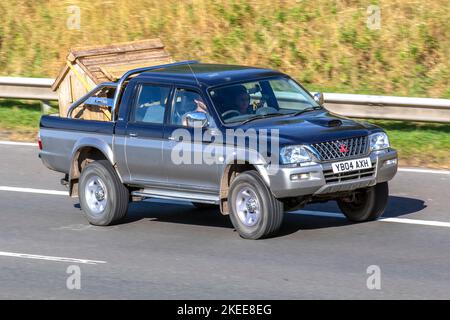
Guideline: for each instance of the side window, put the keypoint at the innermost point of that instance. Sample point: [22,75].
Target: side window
[150,104]
[186,101]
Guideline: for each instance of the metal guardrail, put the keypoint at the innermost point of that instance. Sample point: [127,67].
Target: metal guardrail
[350,105]
[27,88]
[388,107]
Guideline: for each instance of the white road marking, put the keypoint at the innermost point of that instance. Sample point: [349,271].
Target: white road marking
[16,143]
[396,220]
[85,227]
[49,258]
[32,190]
[420,222]
[420,170]
[304,212]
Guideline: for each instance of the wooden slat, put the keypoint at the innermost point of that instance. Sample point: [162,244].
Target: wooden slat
[129,66]
[64,96]
[60,77]
[118,71]
[131,63]
[106,74]
[113,73]
[119,68]
[118,47]
[123,57]
[101,77]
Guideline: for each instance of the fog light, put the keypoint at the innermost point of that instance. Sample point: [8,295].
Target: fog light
[300,176]
[390,162]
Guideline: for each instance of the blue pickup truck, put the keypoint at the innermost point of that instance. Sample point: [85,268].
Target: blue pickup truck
[252,142]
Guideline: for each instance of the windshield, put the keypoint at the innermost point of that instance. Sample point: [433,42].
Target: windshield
[268,97]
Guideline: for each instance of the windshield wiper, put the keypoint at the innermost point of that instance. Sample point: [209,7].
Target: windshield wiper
[263,116]
[307,110]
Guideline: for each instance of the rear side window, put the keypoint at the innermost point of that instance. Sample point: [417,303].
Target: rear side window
[151,104]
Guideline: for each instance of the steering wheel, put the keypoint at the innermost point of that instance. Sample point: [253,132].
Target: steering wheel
[229,112]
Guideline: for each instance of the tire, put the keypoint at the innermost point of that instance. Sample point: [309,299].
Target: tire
[369,204]
[249,192]
[103,198]
[204,206]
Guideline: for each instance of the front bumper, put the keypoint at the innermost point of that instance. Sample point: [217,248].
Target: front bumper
[318,178]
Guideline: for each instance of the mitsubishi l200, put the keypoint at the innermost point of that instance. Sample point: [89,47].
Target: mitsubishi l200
[253,142]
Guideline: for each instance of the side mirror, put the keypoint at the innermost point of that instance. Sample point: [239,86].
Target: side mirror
[195,119]
[318,97]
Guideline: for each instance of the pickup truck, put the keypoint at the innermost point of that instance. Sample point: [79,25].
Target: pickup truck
[167,138]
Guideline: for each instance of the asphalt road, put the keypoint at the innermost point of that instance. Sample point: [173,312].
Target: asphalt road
[174,251]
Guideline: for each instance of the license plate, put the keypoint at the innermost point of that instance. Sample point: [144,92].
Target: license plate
[351,165]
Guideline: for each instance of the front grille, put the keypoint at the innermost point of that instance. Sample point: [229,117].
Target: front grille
[343,148]
[331,177]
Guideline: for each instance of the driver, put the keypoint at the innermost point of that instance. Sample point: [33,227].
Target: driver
[242,100]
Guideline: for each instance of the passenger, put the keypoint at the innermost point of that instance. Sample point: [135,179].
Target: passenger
[151,105]
[189,102]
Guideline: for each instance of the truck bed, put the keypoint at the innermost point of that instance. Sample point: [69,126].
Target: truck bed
[59,136]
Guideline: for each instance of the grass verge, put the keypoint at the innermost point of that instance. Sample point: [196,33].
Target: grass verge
[19,120]
[328,45]
[419,144]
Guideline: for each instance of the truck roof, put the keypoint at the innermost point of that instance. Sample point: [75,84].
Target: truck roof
[210,74]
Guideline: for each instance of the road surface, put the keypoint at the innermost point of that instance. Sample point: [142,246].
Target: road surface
[170,250]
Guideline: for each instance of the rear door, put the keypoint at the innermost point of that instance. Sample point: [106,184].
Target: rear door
[144,134]
[201,172]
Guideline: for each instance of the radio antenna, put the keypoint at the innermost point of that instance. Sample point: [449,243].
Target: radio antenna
[193,73]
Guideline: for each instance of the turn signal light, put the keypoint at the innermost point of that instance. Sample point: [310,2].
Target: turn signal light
[390,162]
[300,176]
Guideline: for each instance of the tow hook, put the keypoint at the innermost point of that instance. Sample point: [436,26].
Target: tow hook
[65,181]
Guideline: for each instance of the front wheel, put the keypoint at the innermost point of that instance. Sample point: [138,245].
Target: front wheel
[255,212]
[103,198]
[366,204]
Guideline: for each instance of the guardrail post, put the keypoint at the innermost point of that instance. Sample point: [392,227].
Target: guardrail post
[45,106]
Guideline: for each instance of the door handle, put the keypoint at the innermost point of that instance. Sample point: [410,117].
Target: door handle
[133,134]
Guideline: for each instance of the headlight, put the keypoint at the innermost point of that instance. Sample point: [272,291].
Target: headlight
[294,154]
[379,141]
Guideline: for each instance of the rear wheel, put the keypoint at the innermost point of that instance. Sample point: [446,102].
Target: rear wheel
[255,212]
[103,198]
[366,204]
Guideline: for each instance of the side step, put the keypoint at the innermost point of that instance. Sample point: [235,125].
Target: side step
[177,195]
